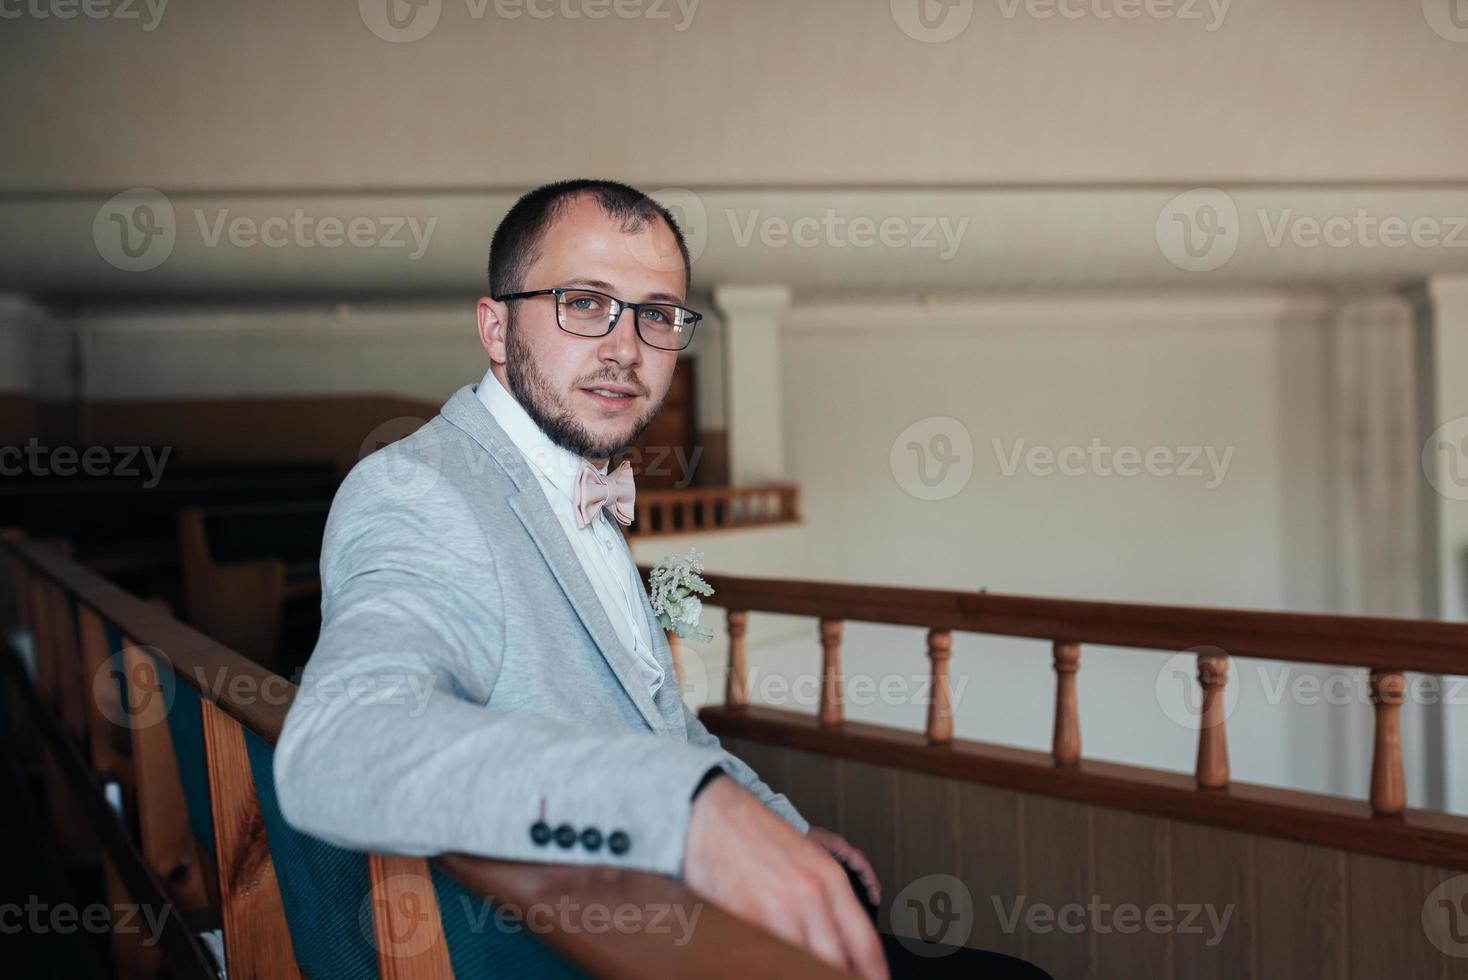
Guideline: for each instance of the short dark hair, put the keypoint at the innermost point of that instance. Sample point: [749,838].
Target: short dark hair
[517,239]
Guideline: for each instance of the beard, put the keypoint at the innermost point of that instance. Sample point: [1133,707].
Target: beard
[550,411]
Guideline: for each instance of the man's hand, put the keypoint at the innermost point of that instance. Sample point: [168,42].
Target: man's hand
[746,859]
[844,851]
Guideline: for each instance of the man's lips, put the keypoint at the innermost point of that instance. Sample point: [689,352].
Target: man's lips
[611,397]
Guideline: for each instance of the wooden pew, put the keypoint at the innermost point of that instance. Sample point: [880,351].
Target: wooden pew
[242,706]
[245,568]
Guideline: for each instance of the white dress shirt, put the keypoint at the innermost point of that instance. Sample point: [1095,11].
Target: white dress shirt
[598,545]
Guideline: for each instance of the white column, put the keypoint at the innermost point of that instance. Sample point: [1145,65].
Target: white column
[1444,366]
[755,419]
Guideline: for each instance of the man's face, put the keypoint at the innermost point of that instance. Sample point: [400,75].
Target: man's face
[591,395]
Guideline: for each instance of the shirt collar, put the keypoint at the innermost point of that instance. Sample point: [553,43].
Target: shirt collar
[560,466]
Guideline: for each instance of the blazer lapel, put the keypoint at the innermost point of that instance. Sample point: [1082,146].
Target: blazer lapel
[466,411]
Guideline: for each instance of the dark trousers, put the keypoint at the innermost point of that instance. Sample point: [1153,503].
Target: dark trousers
[908,958]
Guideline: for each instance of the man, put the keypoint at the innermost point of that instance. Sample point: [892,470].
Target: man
[504,689]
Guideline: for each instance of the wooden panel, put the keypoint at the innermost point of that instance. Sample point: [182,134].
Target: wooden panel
[406,926]
[1384,906]
[1302,929]
[1439,839]
[1134,885]
[771,764]
[991,862]
[1059,880]
[1212,867]
[815,789]
[868,817]
[257,942]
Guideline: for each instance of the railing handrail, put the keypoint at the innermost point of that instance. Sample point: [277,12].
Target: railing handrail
[1428,646]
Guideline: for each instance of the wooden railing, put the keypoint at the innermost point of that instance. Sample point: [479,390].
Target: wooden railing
[1389,648]
[72,713]
[699,509]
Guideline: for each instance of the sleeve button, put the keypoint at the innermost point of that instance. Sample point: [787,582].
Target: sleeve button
[540,832]
[565,835]
[619,842]
[591,839]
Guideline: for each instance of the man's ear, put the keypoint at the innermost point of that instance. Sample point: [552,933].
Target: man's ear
[494,325]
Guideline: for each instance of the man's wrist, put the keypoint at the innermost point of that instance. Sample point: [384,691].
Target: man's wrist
[714,773]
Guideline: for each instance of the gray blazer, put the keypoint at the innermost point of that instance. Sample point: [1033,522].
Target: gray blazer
[467,685]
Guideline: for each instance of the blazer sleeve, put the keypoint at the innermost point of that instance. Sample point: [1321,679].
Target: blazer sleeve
[778,803]
[389,746]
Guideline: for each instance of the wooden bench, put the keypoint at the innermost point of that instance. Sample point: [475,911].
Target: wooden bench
[250,577]
[155,857]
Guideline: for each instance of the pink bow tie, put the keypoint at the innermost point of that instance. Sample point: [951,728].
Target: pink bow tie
[594,491]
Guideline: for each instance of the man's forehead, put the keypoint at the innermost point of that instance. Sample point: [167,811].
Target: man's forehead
[585,242]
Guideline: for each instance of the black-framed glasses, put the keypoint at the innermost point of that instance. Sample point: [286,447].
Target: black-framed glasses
[590,313]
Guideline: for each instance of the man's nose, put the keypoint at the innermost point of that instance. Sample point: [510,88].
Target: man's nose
[623,346]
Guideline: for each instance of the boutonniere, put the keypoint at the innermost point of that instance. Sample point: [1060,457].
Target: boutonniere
[676,584]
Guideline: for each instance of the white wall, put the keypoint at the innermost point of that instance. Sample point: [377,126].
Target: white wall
[1248,372]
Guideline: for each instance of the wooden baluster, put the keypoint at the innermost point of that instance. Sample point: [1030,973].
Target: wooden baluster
[1212,741]
[1067,740]
[940,706]
[1388,782]
[736,694]
[831,708]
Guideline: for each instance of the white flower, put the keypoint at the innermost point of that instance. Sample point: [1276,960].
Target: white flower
[673,584]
